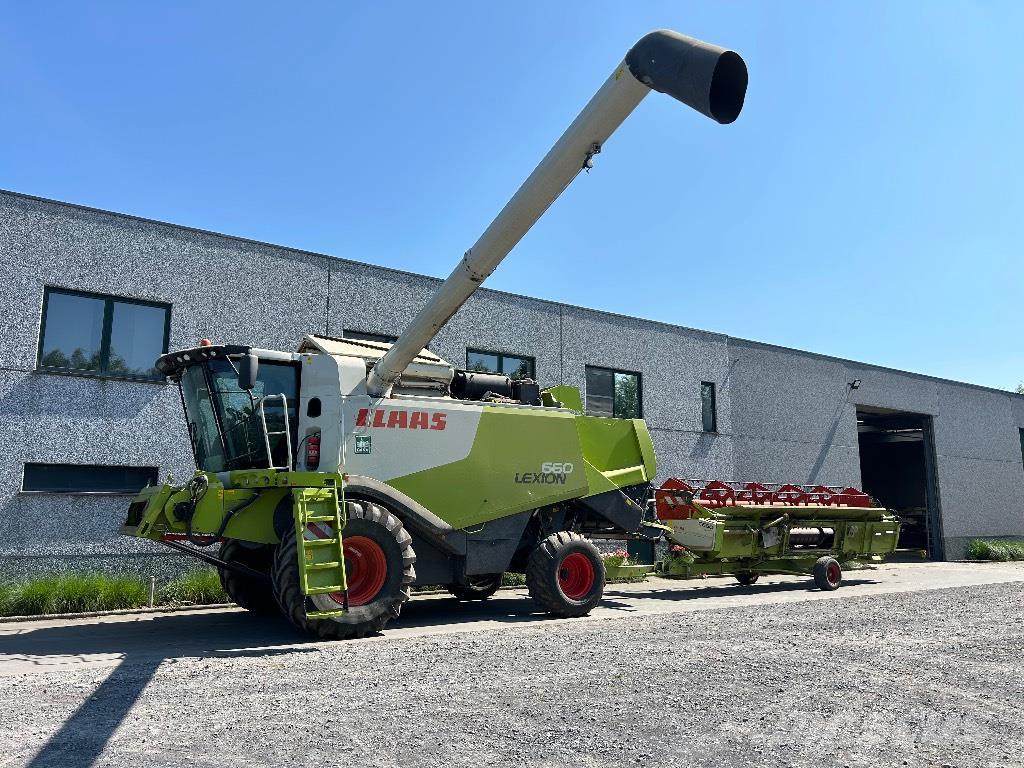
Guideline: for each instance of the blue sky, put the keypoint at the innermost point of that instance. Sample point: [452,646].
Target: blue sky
[867,203]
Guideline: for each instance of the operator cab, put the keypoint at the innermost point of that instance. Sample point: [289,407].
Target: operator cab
[241,405]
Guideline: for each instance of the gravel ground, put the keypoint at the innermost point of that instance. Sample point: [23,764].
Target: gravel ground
[930,678]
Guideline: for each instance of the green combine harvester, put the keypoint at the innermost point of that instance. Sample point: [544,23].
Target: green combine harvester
[332,479]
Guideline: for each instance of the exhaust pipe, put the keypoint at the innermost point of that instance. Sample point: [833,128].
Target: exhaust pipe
[705,77]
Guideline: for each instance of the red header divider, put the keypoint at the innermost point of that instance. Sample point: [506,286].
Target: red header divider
[672,499]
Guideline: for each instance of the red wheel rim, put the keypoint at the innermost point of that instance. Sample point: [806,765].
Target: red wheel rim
[833,573]
[576,576]
[366,569]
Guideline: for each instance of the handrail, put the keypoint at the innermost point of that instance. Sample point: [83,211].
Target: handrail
[266,433]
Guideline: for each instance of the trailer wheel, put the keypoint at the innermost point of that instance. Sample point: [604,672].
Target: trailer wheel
[255,595]
[747,579]
[478,588]
[565,575]
[379,567]
[828,574]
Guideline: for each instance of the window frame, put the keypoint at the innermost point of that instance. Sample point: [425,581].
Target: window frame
[105,336]
[501,358]
[613,371]
[155,471]
[714,408]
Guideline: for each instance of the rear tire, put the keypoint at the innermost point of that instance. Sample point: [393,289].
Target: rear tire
[747,579]
[377,532]
[565,575]
[255,595]
[828,574]
[478,588]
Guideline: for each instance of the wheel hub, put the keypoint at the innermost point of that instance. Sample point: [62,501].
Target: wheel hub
[576,576]
[366,570]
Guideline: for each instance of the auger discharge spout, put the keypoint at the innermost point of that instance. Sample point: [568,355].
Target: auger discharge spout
[710,79]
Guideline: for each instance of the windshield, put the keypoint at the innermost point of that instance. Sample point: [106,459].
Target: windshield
[225,428]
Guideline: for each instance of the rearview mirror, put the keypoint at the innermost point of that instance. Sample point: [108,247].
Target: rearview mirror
[248,368]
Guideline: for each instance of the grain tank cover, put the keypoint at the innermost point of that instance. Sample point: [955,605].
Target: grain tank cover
[426,371]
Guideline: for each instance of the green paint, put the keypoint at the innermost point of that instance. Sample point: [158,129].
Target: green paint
[254,494]
[502,474]
[568,396]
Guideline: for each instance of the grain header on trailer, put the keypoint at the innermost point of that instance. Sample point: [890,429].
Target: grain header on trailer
[334,478]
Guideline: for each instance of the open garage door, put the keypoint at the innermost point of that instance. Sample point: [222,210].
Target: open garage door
[897,467]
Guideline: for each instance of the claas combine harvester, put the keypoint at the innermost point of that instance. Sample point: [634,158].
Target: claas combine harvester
[334,478]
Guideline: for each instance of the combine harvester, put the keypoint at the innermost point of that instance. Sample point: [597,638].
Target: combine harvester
[334,478]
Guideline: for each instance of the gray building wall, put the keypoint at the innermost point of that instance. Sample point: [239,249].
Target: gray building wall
[783,415]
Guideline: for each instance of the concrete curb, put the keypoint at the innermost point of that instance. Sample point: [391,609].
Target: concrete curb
[119,612]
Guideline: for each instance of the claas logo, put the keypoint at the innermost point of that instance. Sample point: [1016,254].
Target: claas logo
[383,418]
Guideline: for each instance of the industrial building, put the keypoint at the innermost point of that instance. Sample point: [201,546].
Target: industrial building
[89,299]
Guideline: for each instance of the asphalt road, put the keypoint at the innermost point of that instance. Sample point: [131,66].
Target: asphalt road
[920,663]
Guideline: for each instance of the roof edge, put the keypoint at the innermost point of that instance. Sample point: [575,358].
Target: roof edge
[725,338]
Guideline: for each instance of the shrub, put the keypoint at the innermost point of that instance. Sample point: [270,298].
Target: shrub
[999,550]
[616,558]
[198,587]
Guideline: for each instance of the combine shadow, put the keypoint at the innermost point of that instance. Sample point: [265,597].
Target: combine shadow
[142,645]
[506,606]
[723,588]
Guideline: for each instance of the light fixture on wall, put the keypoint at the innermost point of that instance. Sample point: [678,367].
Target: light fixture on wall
[855,384]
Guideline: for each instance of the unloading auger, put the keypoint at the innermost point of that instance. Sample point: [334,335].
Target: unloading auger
[334,478]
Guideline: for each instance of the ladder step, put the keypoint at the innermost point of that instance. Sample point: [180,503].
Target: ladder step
[320,518]
[321,566]
[323,590]
[323,614]
[318,542]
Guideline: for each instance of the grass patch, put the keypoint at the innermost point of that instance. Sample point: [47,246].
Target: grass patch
[198,587]
[999,550]
[88,592]
[72,593]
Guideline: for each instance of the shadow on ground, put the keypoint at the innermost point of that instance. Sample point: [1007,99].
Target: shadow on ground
[142,644]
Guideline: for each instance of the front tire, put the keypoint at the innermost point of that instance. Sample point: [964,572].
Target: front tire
[747,579]
[245,591]
[379,568]
[565,575]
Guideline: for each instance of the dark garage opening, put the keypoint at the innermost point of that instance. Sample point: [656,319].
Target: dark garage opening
[897,467]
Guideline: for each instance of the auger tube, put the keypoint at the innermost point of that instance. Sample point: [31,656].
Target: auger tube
[710,79]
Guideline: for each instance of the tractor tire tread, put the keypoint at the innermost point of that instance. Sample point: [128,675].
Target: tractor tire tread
[542,580]
[362,620]
[821,579]
[254,596]
[476,592]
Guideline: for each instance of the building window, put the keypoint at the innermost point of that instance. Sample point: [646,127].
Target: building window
[360,336]
[89,333]
[86,478]
[613,393]
[513,366]
[708,408]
